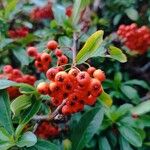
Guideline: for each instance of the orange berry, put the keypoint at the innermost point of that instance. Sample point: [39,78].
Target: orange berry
[43,88]
[99,74]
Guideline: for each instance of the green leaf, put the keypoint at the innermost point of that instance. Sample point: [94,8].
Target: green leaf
[91,45]
[20,103]
[132,13]
[59,14]
[67,145]
[28,139]
[88,125]
[5,113]
[117,19]
[137,82]
[44,145]
[124,145]
[21,55]
[28,114]
[5,145]
[117,79]
[5,83]
[145,119]
[4,135]
[117,54]
[131,135]
[5,42]
[142,108]
[130,93]
[79,6]
[103,144]
[105,99]
[10,7]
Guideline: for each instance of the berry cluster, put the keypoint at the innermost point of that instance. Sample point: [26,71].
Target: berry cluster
[69,10]
[136,39]
[16,75]
[43,60]
[19,32]
[77,87]
[40,13]
[46,130]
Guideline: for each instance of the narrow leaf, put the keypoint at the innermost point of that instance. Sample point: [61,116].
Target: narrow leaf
[91,45]
[79,5]
[104,144]
[131,135]
[28,139]
[105,99]
[5,114]
[44,145]
[142,108]
[88,125]
[117,54]
[20,103]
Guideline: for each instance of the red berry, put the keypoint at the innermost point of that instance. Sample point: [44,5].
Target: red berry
[43,88]
[32,51]
[58,52]
[62,60]
[83,78]
[7,69]
[51,73]
[90,71]
[45,58]
[52,45]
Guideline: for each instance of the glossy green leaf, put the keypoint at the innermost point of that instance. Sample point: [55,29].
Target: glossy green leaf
[88,125]
[124,144]
[44,145]
[79,5]
[10,7]
[103,144]
[117,54]
[5,145]
[28,139]
[28,114]
[91,45]
[138,82]
[130,93]
[132,13]
[4,135]
[142,108]
[21,55]
[59,14]
[20,103]
[105,99]
[5,113]
[131,135]
[5,83]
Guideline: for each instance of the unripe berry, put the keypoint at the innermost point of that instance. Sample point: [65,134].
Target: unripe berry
[43,88]
[99,74]
[52,45]
[32,51]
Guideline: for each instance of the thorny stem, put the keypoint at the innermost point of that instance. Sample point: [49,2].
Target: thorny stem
[74,48]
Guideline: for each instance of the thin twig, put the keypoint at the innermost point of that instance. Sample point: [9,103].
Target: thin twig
[57,110]
[52,115]
[74,48]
